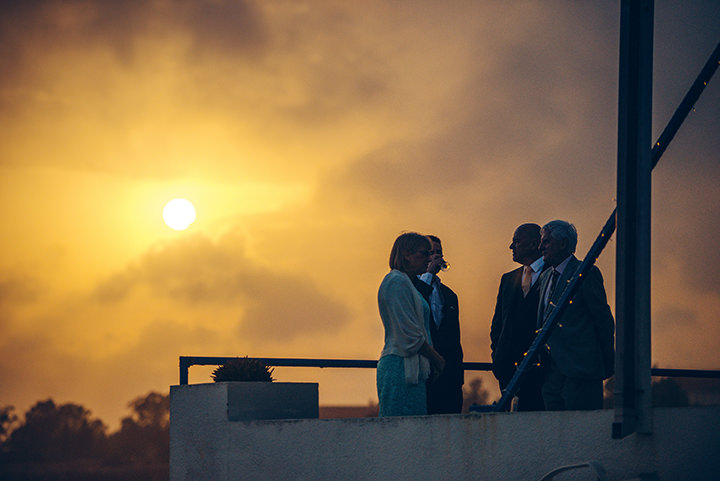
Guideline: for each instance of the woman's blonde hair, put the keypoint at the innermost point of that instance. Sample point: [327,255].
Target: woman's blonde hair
[405,244]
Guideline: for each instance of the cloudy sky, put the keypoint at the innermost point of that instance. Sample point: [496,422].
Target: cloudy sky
[308,135]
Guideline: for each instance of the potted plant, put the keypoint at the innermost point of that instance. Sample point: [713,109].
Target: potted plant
[243,369]
[252,394]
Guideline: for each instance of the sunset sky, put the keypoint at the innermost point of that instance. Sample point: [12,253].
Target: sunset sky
[308,135]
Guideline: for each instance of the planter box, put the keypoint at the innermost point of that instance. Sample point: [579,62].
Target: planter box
[250,401]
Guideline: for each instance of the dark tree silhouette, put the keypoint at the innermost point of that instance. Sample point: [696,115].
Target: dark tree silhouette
[8,419]
[666,392]
[64,442]
[53,433]
[373,410]
[474,393]
[144,436]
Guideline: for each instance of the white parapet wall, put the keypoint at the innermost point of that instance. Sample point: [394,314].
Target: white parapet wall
[205,445]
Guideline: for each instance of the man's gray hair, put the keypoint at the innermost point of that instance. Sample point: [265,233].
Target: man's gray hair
[562,230]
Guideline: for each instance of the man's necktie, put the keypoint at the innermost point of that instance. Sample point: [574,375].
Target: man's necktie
[553,284]
[526,280]
[554,276]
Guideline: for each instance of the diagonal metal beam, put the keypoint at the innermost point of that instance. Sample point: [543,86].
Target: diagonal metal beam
[687,104]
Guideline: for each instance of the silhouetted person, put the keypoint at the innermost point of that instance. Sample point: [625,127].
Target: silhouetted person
[514,322]
[444,392]
[407,359]
[580,352]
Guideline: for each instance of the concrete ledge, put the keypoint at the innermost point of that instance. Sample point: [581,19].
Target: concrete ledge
[493,446]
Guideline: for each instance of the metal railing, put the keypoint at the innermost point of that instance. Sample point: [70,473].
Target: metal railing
[187,361]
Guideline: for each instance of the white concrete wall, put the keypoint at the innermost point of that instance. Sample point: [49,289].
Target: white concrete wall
[496,446]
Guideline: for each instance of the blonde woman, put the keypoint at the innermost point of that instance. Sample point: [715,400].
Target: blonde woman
[408,358]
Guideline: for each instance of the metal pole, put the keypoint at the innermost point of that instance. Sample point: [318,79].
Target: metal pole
[184,367]
[633,396]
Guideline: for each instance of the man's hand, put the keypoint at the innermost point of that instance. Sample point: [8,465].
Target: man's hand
[437,365]
[435,264]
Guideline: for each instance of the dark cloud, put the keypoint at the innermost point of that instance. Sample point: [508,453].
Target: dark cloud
[200,273]
[34,367]
[159,344]
[696,348]
[282,309]
[534,110]
[666,320]
[685,226]
[23,363]
[113,289]
[147,78]
[18,289]
[230,29]
[402,173]
[30,28]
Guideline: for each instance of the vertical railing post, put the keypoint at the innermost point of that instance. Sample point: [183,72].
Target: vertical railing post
[184,368]
[632,396]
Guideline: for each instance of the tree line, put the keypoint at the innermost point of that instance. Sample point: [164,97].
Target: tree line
[64,441]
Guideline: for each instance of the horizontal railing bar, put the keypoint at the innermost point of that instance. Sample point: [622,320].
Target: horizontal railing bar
[296,362]
[698,373]
[279,362]
[187,361]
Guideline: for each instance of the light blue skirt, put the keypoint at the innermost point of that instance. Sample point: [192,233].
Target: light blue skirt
[396,397]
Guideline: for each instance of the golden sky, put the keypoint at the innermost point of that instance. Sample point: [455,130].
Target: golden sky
[308,136]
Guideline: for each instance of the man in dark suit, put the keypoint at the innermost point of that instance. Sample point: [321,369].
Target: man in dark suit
[444,392]
[514,322]
[580,352]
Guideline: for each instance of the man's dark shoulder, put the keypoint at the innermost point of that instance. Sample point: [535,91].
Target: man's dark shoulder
[447,292]
[593,281]
[511,277]
[593,272]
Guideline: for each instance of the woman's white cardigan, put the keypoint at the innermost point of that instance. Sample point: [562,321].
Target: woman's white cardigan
[402,314]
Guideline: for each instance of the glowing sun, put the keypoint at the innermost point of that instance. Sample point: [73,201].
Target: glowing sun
[178,214]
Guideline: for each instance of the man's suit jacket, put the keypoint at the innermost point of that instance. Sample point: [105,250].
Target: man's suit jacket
[583,342]
[513,325]
[446,338]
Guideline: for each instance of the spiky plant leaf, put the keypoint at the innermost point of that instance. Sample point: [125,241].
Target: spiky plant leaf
[243,369]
